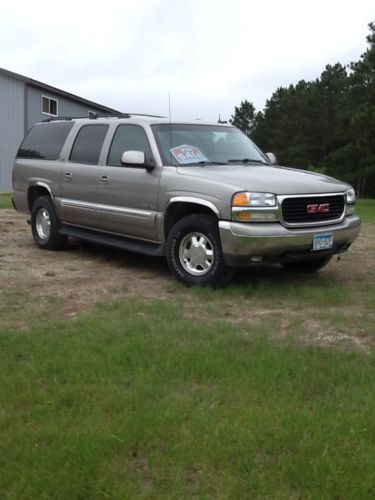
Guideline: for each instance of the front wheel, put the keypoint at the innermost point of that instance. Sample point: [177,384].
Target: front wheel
[307,266]
[45,225]
[194,252]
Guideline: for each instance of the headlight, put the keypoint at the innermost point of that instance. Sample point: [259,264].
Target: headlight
[254,200]
[254,207]
[350,196]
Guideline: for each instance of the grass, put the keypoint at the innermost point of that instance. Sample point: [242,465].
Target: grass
[206,393]
[366,210]
[5,200]
[139,400]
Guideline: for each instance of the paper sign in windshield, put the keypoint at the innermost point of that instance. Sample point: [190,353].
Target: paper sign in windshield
[186,154]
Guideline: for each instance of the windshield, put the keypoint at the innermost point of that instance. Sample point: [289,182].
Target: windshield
[184,145]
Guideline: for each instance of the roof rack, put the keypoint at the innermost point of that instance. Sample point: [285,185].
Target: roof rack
[93,116]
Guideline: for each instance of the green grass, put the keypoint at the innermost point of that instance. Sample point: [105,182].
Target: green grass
[139,400]
[208,393]
[366,210]
[5,200]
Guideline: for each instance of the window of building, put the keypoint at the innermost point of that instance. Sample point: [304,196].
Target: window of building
[128,138]
[45,141]
[49,106]
[88,144]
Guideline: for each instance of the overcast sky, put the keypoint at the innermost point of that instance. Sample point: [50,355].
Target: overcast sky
[207,54]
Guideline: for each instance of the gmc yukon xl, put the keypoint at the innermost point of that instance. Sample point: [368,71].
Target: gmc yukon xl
[203,195]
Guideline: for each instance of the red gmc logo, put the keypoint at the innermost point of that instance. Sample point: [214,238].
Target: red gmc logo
[317,208]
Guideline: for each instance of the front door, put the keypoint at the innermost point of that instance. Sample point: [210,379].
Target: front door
[127,194]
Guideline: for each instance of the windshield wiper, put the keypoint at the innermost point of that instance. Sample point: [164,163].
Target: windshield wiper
[248,160]
[204,162]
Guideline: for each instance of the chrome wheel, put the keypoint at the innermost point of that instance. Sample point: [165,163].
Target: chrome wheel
[43,224]
[196,254]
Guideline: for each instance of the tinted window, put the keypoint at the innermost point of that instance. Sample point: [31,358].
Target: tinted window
[128,138]
[88,144]
[45,141]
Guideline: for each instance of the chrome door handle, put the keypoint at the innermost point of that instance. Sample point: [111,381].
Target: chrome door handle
[68,175]
[104,178]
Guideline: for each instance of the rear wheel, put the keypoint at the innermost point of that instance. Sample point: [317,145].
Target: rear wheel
[194,252]
[45,225]
[307,266]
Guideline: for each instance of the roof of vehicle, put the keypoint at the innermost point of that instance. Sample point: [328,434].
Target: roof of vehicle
[136,118]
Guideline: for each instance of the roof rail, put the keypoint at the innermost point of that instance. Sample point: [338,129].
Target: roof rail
[144,114]
[93,116]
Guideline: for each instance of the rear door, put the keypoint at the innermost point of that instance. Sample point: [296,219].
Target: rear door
[79,175]
[127,194]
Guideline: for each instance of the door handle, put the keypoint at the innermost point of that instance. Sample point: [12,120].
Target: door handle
[68,175]
[104,178]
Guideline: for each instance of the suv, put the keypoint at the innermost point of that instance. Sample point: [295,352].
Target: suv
[203,195]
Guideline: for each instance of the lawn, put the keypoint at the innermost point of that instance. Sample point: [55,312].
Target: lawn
[232,393]
[136,399]
[5,201]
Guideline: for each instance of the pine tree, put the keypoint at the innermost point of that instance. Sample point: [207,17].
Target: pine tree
[243,117]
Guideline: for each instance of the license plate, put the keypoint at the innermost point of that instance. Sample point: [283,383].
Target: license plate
[322,241]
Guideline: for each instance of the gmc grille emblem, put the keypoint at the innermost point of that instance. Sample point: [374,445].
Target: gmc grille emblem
[317,208]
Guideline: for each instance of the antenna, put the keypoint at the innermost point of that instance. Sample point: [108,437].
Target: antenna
[169,118]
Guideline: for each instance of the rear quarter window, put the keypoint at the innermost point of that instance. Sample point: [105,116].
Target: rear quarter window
[44,141]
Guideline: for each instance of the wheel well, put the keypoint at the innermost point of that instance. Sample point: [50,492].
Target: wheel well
[179,210]
[34,192]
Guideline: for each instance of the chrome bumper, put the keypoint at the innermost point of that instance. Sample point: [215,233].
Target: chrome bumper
[243,243]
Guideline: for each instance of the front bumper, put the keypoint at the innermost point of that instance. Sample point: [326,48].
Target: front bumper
[244,243]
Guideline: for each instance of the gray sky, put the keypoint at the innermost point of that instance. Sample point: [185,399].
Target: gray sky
[208,54]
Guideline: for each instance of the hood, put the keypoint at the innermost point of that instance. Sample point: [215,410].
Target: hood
[266,179]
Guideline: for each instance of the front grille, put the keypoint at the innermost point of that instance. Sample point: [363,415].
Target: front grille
[295,210]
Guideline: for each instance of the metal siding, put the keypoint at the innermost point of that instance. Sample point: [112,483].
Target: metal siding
[11,126]
[66,107]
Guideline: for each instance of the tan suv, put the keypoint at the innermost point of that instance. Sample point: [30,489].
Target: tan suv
[203,195]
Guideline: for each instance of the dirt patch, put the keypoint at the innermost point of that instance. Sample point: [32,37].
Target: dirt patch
[81,275]
[36,283]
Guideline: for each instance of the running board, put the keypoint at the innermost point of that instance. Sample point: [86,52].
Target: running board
[121,242]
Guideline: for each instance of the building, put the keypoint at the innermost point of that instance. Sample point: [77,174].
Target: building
[23,102]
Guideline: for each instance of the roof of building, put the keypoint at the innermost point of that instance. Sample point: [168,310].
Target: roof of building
[50,88]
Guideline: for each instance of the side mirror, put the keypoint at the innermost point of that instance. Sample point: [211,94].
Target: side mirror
[133,157]
[137,159]
[272,158]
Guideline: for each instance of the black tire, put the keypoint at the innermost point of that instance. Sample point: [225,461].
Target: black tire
[45,225]
[307,266]
[199,263]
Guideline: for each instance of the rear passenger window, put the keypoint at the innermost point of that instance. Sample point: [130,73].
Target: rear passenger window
[45,141]
[88,144]
[128,138]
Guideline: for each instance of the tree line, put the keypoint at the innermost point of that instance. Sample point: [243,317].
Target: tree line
[326,125]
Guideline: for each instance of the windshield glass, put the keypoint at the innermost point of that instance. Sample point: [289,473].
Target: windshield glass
[184,145]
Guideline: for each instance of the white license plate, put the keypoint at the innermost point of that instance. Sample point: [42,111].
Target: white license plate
[322,241]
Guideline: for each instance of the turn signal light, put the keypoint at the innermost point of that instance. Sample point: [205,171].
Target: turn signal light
[243,216]
[240,200]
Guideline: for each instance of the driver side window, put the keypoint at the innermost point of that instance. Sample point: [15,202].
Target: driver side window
[128,138]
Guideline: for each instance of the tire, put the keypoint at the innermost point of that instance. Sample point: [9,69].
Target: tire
[194,251]
[45,225]
[307,266]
